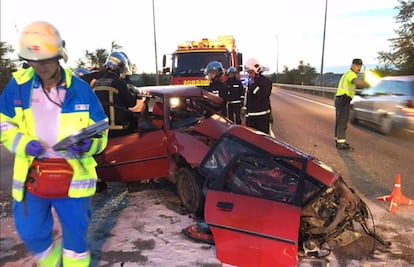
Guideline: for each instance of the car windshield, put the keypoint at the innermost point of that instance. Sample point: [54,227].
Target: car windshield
[391,87]
[193,64]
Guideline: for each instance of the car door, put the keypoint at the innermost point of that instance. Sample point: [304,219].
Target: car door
[255,217]
[138,156]
[134,157]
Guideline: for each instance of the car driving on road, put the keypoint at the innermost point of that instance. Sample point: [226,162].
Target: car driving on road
[389,105]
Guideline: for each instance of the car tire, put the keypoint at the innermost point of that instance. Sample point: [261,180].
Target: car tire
[189,189]
[385,124]
[352,116]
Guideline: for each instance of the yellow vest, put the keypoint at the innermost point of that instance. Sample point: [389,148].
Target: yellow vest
[345,85]
[19,130]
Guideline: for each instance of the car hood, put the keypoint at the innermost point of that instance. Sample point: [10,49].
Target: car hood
[214,127]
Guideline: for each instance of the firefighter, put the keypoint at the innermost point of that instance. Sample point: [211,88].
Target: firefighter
[214,70]
[236,95]
[41,105]
[258,97]
[115,96]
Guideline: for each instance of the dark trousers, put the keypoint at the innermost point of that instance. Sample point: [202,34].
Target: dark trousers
[342,107]
[234,112]
[260,123]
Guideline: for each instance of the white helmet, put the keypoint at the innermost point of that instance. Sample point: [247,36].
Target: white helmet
[254,65]
[39,41]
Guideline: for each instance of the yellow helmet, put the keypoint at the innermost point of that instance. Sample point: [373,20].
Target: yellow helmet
[39,41]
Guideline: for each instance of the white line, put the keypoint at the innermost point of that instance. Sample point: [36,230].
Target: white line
[312,101]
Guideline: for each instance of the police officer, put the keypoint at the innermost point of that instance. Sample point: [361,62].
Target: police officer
[344,94]
[115,96]
[214,70]
[236,95]
[258,97]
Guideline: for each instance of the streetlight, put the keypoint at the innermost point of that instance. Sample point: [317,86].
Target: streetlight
[157,79]
[323,41]
[277,55]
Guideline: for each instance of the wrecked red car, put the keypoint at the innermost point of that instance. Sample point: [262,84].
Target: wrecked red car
[265,202]
[269,204]
[176,128]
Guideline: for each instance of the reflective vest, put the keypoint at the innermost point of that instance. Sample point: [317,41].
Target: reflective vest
[80,109]
[345,85]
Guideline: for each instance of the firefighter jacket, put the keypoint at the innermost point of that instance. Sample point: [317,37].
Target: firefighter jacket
[258,96]
[116,98]
[80,109]
[236,91]
[345,85]
[219,88]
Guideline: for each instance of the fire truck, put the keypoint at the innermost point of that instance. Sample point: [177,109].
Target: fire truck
[191,58]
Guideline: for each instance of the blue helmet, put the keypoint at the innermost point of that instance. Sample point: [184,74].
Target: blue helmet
[231,70]
[81,71]
[214,66]
[118,62]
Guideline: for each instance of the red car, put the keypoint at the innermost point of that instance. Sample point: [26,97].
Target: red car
[176,129]
[265,202]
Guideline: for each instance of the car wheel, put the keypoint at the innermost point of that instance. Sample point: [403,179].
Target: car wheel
[385,124]
[189,189]
[352,116]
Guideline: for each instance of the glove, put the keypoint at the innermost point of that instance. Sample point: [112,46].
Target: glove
[81,147]
[34,148]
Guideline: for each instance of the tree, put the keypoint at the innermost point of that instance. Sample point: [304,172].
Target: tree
[304,75]
[93,59]
[7,65]
[402,54]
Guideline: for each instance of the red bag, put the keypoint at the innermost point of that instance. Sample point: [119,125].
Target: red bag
[49,178]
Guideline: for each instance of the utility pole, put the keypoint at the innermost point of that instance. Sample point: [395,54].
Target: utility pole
[323,41]
[157,78]
[277,55]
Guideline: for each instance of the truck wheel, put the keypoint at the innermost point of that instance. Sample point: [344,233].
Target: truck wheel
[189,189]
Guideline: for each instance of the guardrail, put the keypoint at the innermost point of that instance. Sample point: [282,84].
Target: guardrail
[326,92]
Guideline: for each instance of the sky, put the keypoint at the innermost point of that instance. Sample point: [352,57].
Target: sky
[278,33]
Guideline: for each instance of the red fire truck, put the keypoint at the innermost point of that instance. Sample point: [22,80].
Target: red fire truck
[190,59]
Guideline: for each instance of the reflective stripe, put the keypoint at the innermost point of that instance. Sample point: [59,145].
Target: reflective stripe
[258,113]
[18,185]
[80,184]
[72,254]
[235,101]
[16,141]
[256,89]
[7,125]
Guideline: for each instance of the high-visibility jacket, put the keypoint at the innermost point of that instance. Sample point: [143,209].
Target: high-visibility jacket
[345,85]
[80,109]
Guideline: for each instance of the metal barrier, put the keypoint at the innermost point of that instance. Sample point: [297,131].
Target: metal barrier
[326,92]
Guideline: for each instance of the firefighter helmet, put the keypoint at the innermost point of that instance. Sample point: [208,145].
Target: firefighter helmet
[118,62]
[231,70]
[214,66]
[39,41]
[128,66]
[253,64]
